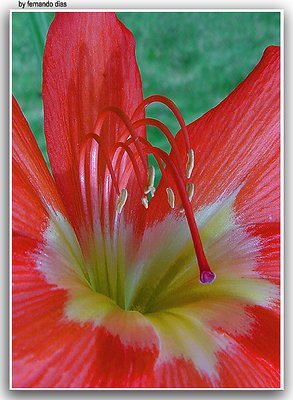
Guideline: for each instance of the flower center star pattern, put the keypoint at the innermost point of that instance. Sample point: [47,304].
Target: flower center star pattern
[116,282]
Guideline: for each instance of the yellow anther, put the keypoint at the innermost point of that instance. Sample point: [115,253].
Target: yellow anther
[190,163]
[152,191]
[151,175]
[150,181]
[145,202]
[171,197]
[121,200]
[190,190]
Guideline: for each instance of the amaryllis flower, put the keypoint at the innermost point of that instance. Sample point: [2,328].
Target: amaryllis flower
[116,282]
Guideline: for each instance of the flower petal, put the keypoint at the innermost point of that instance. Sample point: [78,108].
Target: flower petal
[199,315]
[89,64]
[34,197]
[239,367]
[34,191]
[264,335]
[268,261]
[50,350]
[238,143]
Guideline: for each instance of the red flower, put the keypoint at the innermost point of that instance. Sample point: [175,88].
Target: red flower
[106,292]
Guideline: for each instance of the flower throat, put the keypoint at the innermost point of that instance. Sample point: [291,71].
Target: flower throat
[174,171]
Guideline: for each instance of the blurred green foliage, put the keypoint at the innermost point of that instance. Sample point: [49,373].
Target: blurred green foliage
[194,58]
[29,32]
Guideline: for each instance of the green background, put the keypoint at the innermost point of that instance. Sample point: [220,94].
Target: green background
[195,58]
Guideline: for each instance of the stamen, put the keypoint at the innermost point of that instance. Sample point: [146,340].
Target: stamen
[190,163]
[159,161]
[82,178]
[190,190]
[127,149]
[152,191]
[121,200]
[150,181]
[145,202]
[99,140]
[172,106]
[124,118]
[171,197]
[166,131]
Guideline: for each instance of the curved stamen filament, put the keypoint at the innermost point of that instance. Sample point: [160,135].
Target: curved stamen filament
[99,140]
[171,105]
[146,143]
[160,164]
[165,130]
[133,161]
[128,124]
[82,177]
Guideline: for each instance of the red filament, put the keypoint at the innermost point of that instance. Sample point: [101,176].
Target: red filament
[99,140]
[123,117]
[127,149]
[165,130]
[156,98]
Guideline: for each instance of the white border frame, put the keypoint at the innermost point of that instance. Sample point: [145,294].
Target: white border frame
[282,193]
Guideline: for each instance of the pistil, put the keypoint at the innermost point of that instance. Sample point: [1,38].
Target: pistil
[206,274]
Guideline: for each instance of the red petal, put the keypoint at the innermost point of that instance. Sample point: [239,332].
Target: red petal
[34,191]
[178,373]
[117,365]
[238,142]
[34,195]
[35,304]
[239,367]
[61,353]
[48,351]
[264,338]
[234,372]
[29,217]
[89,63]
[268,260]
[248,362]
